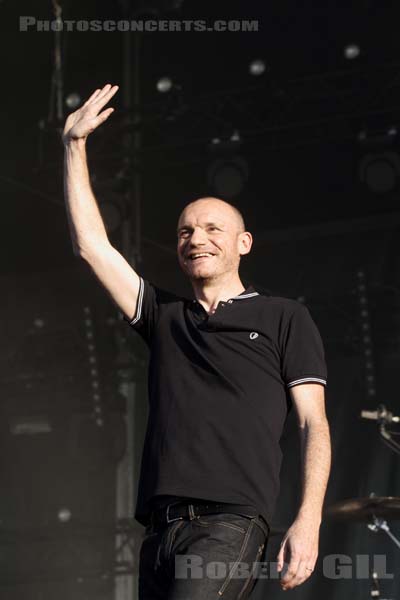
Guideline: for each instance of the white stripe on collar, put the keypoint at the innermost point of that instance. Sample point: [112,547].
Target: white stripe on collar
[245,296]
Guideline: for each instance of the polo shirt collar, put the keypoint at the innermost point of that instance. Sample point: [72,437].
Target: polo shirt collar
[249,292]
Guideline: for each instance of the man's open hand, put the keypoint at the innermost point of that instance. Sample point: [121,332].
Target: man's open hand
[298,552]
[88,117]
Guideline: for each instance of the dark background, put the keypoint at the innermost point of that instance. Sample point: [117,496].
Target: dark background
[308,127]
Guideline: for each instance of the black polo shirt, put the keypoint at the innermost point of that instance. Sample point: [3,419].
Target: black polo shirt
[218,394]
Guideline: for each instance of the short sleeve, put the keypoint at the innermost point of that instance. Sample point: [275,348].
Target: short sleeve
[303,357]
[145,318]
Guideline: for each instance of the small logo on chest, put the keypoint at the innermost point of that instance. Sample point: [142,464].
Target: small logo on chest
[253,335]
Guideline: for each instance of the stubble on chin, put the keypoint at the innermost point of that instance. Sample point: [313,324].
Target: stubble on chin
[192,274]
[200,276]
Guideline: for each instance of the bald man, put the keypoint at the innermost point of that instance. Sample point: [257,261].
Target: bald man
[225,368]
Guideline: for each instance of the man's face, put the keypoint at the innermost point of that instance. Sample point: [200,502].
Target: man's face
[210,240]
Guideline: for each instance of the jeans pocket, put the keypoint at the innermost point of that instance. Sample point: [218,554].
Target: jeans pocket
[229,520]
[230,526]
[251,580]
[252,545]
[171,535]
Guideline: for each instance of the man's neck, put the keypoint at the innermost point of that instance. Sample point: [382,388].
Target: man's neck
[209,293]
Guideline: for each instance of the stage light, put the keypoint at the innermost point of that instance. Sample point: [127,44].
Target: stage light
[362,136]
[228,172]
[379,167]
[227,176]
[352,51]
[257,67]
[164,85]
[235,137]
[64,515]
[73,100]
[380,172]
[378,138]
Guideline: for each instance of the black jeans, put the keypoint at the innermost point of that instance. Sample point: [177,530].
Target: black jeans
[208,557]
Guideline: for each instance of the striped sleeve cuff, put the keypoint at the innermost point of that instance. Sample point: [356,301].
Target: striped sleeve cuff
[139,304]
[306,380]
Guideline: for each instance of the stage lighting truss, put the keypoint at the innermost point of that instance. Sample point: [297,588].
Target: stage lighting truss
[330,107]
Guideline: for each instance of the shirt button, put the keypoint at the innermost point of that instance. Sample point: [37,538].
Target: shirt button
[222,303]
[230,301]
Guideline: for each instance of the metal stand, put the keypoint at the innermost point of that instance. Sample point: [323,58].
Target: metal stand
[127,557]
[381,525]
[376,526]
[126,549]
[56,104]
[127,544]
[384,417]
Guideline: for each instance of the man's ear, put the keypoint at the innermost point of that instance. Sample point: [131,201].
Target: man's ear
[245,242]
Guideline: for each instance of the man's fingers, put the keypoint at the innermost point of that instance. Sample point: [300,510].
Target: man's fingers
[300,575]
[281,558]
[105,95]
[290,573]
[85,120]
[104,89]
[103,116]
[93,96]
[102,95]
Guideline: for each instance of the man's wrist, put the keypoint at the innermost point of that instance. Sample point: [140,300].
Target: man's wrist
[74,143]
[310,514]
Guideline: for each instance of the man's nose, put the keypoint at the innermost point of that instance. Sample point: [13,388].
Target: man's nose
[198,237]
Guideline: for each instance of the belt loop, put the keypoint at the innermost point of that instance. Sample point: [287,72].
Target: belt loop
[191,512]
[168,518]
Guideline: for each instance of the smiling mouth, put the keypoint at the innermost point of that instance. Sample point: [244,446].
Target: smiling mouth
[195,256]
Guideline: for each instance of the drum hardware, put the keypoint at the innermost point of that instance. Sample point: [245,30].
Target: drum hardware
[371,509]
[383,417]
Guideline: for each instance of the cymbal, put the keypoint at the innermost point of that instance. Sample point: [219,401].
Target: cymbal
[364,509]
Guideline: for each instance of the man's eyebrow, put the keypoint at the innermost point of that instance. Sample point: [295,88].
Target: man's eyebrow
[209,224]
[214,224]
[184,227]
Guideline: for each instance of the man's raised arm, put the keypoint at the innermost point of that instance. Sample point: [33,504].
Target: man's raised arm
[89,236]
